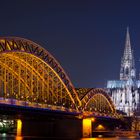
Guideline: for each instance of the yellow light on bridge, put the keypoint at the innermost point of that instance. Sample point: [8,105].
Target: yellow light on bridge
[100,127]
[87,128]
[19,127]
[93,119]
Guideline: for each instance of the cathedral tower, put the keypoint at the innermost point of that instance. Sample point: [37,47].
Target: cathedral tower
[127,70]
[125,92]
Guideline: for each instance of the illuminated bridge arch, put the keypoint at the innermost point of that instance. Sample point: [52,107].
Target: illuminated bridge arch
[31,74]
[97,100]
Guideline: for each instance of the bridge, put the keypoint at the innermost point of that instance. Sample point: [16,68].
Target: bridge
[31,77]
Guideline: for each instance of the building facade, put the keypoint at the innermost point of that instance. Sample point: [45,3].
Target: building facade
[125,91]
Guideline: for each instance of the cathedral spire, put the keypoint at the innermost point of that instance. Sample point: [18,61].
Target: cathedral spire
[127,65]
[127,50]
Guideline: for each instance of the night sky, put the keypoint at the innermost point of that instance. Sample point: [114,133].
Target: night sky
[87,37]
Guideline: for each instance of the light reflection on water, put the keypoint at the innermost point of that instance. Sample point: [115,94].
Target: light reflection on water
[19,138]
[114,138]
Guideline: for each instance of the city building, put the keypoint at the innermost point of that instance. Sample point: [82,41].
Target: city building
[125,91]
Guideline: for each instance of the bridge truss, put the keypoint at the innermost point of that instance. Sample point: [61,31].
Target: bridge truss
[98,102]
[29,73]
[31,76]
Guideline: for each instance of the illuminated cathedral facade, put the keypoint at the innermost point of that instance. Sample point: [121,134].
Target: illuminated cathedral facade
[125,92]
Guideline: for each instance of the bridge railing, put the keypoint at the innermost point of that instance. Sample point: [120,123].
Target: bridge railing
[35,105]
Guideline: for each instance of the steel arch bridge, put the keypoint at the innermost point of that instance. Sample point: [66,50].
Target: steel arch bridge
[31,76]
[30,73]
[97,101]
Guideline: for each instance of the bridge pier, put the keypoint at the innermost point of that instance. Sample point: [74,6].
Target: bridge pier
[87,128]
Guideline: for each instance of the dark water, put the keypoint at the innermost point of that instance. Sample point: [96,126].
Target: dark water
[116,138]
[5,137]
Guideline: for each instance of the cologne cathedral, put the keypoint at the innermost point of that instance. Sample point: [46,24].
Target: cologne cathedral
[125,92]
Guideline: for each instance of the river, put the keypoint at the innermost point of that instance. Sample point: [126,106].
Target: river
[5,137]
[113,138]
